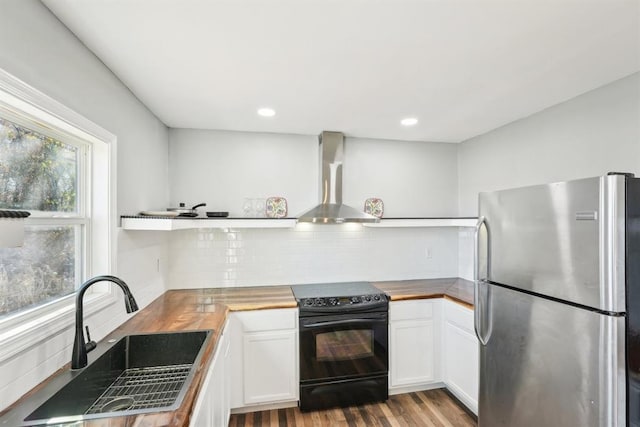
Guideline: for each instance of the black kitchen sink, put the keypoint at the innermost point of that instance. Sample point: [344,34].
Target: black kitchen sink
[138,374]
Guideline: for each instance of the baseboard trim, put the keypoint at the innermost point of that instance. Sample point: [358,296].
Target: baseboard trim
[265,407]
[415,387]
[461,403]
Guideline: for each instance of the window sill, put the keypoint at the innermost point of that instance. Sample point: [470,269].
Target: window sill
[23,335]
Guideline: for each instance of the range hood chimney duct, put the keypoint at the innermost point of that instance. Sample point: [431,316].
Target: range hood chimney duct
[331,210]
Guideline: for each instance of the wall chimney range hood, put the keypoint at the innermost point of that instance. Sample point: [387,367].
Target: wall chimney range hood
[331,210]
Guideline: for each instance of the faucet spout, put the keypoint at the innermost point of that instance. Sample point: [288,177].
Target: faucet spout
[80,348]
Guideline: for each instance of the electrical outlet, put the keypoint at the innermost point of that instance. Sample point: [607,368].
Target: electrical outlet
[428,253]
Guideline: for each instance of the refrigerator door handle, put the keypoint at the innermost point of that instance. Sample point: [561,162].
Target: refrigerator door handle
[481,306]
[476,244]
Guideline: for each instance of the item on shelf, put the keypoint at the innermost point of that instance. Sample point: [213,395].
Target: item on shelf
[259,207]
[247,207]
[164,214]
[182,210]
[374,206]
[276,207]
[217,214]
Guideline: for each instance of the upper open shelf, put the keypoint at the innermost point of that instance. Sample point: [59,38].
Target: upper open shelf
[169,224]
[425,222]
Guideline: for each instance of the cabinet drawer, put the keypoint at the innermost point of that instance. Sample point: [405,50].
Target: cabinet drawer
[459,316]
[268,320]
[414,309]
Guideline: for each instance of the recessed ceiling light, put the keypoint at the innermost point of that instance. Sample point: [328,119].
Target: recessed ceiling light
[266,112]
[409,121]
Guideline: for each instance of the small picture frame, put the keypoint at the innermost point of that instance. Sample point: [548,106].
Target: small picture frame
[374,206]
[276,207]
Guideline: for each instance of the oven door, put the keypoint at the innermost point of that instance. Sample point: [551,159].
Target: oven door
[343,346]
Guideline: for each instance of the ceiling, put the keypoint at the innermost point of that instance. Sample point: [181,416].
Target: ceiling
[461,67]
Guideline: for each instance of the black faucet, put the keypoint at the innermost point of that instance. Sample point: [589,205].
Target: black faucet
[80,348]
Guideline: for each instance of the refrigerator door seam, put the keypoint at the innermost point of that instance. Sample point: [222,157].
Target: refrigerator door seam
[560,301]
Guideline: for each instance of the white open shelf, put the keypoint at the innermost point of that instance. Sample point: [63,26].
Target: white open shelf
[169,224]
[424,222]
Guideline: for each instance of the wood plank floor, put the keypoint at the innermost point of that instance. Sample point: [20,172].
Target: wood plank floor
[433,408]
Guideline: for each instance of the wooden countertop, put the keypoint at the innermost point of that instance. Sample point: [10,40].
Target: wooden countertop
[454,289]
[192,309]
[249,298]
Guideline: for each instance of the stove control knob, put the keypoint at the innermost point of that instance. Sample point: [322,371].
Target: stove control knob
[367,298]
[355,300]
[334,301]
[307,302]
[319,302]
[376,297]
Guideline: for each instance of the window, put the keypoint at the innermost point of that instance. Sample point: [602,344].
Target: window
[46,176]
[57,165]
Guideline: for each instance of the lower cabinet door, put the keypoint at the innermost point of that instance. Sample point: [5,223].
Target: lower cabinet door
[270,366]
[202,414]
[461,355]
[412,352]
[212,408]
[217,387]
[226,387]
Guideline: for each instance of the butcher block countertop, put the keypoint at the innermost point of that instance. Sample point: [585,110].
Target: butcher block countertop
[192,309]
[454,289]
[249,298]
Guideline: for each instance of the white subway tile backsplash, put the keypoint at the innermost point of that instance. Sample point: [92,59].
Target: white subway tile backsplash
[465,253]
[309,253]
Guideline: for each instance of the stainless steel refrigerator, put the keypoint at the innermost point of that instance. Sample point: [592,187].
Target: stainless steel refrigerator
[558,304]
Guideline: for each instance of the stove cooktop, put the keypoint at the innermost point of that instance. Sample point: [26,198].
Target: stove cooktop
[327,290]
[331,298]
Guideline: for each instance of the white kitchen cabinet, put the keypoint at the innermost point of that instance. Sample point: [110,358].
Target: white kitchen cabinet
[461,354]
[226,387]
[202,414]
[220,396]
[264,357]
[414,345]
[212,405]
[268,361]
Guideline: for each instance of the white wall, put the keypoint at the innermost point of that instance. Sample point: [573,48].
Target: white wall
[414,179]
[589,135]
[36,48]
[221,168]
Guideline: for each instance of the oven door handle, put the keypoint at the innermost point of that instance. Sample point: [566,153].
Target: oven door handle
[343,322]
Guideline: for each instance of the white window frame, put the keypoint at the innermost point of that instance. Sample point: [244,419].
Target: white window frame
[26,104]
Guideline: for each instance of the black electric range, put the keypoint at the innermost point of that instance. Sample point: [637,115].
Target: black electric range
[343,344]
